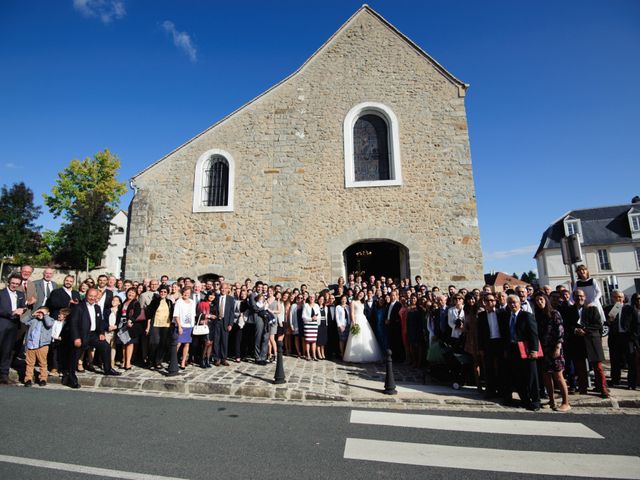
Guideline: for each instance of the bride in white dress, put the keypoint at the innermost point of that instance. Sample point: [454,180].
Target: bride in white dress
[363,347]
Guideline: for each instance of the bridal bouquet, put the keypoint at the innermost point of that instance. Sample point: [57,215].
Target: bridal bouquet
[355,329]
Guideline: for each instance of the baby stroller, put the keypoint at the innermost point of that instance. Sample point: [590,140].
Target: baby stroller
[449,365]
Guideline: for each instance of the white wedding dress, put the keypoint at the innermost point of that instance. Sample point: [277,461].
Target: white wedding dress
[363,347]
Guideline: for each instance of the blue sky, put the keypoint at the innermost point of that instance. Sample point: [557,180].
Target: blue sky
[552,107]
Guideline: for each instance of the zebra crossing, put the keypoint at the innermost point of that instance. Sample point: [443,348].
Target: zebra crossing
[591,465]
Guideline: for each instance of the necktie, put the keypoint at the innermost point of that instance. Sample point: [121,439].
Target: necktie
[48,290]
[221,312]
[512,327]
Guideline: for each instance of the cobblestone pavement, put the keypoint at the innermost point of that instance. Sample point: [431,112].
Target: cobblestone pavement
[325,382]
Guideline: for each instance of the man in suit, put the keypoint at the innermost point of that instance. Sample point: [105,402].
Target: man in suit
[520,326]
[63,297]
[12,306]
[619,338]
[106,295]
[44,287]
[86,330]
[394,327]
[222,325]
[492,344]
[261,339]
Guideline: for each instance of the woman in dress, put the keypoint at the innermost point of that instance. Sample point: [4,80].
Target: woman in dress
[363,346]
[471,335]
[110,336]
[128,330]
[240,317]
[184,315]
[323,332]
[343,322]
[551,334]
[286,302]
[379,312]
[414,331]
[273,307]
[205,316]
[310,317]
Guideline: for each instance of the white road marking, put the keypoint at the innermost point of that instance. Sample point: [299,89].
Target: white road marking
[589,465]
[470,424]
[69,467]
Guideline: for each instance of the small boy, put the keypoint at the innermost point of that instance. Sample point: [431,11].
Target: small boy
[55,354]
[37,344]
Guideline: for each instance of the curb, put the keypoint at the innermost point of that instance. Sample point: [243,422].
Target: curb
[280,393]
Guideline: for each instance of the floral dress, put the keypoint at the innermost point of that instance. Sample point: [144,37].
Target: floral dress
[551,334]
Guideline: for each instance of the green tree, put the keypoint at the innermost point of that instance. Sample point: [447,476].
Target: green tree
[529,277]
[87,194]
[95,175]
[85,238]
[19,235]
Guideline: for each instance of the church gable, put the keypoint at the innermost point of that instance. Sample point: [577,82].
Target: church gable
[349,49]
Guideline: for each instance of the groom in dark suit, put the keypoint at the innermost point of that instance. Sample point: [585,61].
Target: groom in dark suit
[394,328]
[86,330]
[12,305]
[222,326]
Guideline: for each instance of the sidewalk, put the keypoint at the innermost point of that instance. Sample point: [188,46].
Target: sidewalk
[321,382]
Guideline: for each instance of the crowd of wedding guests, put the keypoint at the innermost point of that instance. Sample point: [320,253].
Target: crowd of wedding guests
[534,342]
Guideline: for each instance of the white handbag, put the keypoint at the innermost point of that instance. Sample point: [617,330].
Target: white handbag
[200,329]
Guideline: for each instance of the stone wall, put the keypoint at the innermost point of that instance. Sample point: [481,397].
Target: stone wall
[293,215]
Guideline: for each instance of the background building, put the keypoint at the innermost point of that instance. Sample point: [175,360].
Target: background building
[112,261]
[610,238]
[357,161]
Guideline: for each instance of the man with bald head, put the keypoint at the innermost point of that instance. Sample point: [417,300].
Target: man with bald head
[86,330]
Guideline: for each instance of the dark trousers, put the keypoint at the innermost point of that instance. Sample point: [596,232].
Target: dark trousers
[158,343]
[333,341]
[8,333]
[524,378]
[103,352]
[173,349]
[494,367]
[220,341]
[54,355]
[236,340]
[621,354]
[261,344]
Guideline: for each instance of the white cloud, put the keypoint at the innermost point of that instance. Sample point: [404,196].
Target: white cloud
[105,10]
[182,40]
[11,165]
[514,252]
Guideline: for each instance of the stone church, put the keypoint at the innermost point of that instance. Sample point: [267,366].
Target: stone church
[358,161]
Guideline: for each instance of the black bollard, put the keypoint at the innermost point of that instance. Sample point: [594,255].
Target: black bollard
[172,369]
[389,381]
[279,378]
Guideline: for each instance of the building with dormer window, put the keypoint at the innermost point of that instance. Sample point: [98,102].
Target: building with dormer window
[610,239]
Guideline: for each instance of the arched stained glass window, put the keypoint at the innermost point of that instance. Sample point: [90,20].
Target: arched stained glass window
[371,148]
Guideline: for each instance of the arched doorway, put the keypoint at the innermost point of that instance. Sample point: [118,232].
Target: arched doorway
[378,258]
[208,276]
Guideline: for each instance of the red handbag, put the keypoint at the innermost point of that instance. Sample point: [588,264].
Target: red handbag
[523,347]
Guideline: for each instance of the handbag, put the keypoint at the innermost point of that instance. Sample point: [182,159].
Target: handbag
[523,348]
[200,329]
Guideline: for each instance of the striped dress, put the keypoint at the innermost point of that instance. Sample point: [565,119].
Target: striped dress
[310,326]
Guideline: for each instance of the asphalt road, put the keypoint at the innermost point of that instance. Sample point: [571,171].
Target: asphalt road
[202,439]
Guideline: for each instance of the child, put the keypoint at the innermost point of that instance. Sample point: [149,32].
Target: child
[38,339]
[55,347]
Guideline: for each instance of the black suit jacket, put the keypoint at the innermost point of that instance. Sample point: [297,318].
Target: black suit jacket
[106,311]
[484,332]
[526,328]
[394,317]
[80,322]
[5,305]
[227,316]
[59,299]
